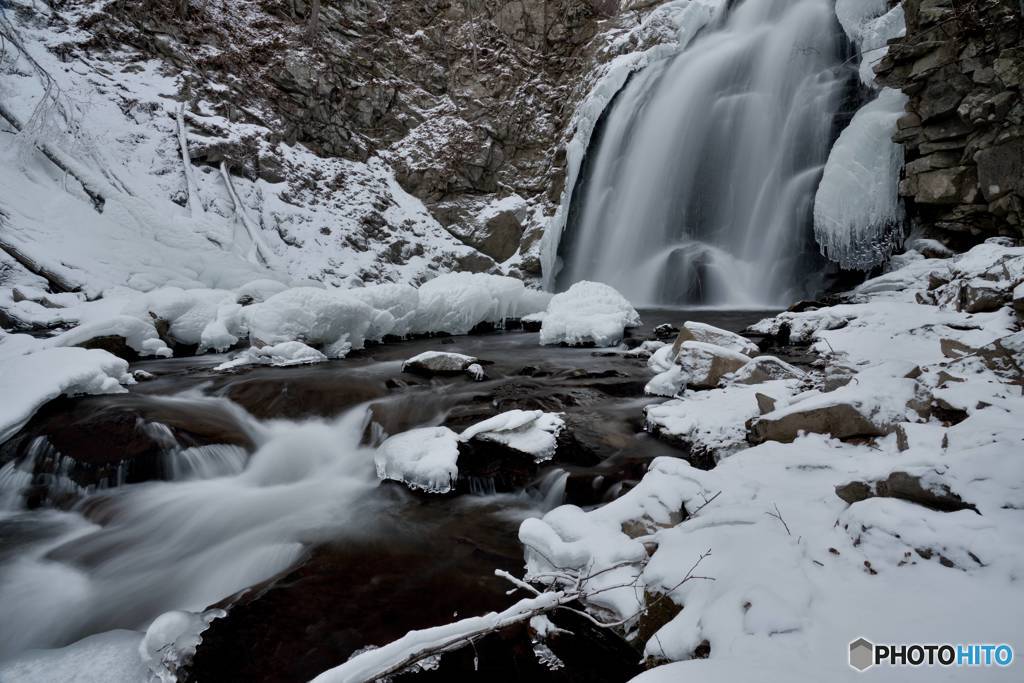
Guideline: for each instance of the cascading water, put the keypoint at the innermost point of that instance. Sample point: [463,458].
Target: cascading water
[699,185]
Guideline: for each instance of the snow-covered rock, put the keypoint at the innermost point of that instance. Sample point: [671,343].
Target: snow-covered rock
[706,364]
[283,354]
[533,432]
[763,369]
[29,381]
[425,459]
[332,319]
[457,302]
[139,335]
[588,313]
[709,334]
[439,363]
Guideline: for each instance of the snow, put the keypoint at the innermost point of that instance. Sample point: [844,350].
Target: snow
[102,658]
[333,319]
[457,302]
[533,432]
[424,459]
[588,312]
[283,354]
[139,335]
[29,381]
[858,218]
[714,421]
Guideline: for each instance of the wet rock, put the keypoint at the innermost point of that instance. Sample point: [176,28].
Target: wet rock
[924,489]
[665,331]
[438,363]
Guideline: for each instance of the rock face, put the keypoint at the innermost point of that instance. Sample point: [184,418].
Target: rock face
[962,66]
[469,102]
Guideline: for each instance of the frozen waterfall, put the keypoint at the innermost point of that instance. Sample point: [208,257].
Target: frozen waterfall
[699,184]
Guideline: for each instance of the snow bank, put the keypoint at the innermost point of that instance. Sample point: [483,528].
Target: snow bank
[533,432]
[588,312]
[139,335]
[424,459]
[858,218]
[457,302]
[333,319]
[28,382]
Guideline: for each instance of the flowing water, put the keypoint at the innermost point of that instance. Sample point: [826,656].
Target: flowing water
[198,485]
[699,184]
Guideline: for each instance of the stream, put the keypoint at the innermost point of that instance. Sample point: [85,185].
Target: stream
[255,491]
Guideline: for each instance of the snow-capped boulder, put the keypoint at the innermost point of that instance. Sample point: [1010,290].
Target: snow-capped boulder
[395,309]
[667,383]
[279,355]
[532,432]
[709,334]
[27,382]
[439,363]
[457,302]
[123,333]
[588,313]
[425,459]
[763,369]
[706,364]
[333,319]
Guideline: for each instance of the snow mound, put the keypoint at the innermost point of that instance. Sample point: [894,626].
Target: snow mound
[395,309]
[278,355]
[858,218]
[333,319]
[424,459]
[139,335]
[533,432]
[28,382]
[457,302]
[588,313]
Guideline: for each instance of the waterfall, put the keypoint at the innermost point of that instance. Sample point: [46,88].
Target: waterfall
[699,184]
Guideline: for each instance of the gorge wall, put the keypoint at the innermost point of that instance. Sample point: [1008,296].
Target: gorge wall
[962,64]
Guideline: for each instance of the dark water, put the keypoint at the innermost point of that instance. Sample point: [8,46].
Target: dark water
[255,491]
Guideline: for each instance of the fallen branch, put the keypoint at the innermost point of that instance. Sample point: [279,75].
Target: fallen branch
[195,202]
[257,252]
[416,646]
[57,158]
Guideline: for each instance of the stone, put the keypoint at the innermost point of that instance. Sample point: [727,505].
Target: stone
[438,363]
[839,420]
[709,334]
[765,403]
[981,296]
[934,494]
[945,186]
[706,364]
[1001,169]
[763,369]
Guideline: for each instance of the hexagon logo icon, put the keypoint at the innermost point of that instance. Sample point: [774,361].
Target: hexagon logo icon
[862,654]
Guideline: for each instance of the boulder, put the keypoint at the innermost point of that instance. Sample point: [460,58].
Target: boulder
[763,369]
[706,364]
[709,334]
[841,420]
[925,489]
[981,296]
[439,363]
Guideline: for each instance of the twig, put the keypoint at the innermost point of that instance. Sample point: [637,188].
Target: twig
[778,515]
